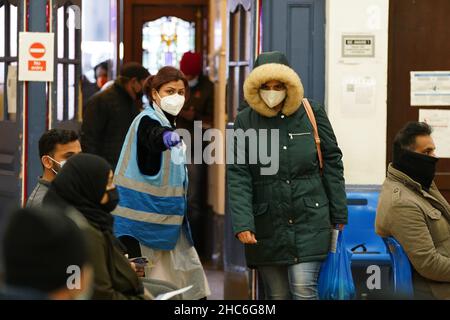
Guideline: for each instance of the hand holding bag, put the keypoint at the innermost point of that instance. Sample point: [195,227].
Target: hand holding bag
[335,276]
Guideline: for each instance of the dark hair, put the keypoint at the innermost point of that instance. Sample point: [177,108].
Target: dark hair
[164,75]
[49,140]
[38,247]
[134,70]
[102,65]
[406,137]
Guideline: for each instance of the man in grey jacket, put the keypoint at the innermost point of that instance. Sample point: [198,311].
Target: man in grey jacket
[55,147]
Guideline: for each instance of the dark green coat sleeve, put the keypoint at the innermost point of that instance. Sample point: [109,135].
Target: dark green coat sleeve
[333,171]
[240,189]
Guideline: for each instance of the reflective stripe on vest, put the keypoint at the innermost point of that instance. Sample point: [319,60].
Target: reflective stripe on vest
[148,217]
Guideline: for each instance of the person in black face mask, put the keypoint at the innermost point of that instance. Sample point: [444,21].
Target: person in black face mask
[421,167]
[86,184]
[110,112]
[413,211]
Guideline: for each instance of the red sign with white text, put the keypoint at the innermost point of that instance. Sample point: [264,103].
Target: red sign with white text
[37,65]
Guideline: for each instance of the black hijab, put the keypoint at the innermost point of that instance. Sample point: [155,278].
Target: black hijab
[81,183]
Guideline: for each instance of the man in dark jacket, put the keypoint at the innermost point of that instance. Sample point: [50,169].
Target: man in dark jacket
[110,113]
[284,218]
[101,74]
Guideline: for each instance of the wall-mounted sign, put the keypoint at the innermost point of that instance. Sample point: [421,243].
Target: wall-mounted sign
[36,56]
[430,88]
[358,46]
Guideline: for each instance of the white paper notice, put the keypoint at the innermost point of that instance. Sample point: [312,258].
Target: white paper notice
[430,88]
[439,120]
[358,95]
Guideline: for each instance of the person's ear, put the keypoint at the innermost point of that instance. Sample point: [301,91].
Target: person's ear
[46,162]
[155,95]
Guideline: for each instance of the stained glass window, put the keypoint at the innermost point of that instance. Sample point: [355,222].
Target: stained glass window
[164,41]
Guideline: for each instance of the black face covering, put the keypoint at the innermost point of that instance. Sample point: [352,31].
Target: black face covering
[81,184]
[419,167]
[113,200]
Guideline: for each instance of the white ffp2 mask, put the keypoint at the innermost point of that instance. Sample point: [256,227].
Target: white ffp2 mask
[60,163]
[172,104]
[272,98]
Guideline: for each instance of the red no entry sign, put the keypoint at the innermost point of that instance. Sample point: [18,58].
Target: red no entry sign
[37,50]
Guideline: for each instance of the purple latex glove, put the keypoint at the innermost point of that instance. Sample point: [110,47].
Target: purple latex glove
[171,139]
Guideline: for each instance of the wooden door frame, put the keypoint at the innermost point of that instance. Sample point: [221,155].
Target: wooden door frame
[396,119]
[128,9]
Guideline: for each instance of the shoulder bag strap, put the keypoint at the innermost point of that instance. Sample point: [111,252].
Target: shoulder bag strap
[312,119]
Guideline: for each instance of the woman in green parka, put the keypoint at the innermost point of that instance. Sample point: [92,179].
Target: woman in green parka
[285,218]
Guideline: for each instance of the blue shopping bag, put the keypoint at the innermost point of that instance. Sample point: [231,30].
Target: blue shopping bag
[335,275]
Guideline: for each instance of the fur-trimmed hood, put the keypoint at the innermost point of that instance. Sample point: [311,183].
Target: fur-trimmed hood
[273,66]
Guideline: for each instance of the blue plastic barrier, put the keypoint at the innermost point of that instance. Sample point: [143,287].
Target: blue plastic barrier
[402,276]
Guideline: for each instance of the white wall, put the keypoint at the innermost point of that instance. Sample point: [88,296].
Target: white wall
[360,128]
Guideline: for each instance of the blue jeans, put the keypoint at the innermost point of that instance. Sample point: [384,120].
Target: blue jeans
[297,282]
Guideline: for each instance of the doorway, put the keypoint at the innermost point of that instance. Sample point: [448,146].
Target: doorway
[297,28]
[157,33]
[416,33]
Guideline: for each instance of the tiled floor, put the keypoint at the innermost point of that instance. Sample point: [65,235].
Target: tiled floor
[227,286]
[216,281]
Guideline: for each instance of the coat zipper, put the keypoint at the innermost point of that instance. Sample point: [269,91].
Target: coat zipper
[298,134]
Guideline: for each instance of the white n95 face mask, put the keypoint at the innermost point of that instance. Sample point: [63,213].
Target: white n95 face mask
[60,163]
[172,104]
[272,97]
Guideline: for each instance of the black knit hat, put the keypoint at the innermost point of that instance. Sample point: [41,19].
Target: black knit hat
[38,247]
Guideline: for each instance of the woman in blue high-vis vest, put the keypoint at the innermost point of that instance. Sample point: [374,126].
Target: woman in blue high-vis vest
[151,178]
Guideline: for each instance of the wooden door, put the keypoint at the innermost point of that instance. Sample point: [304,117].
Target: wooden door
[418,41]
